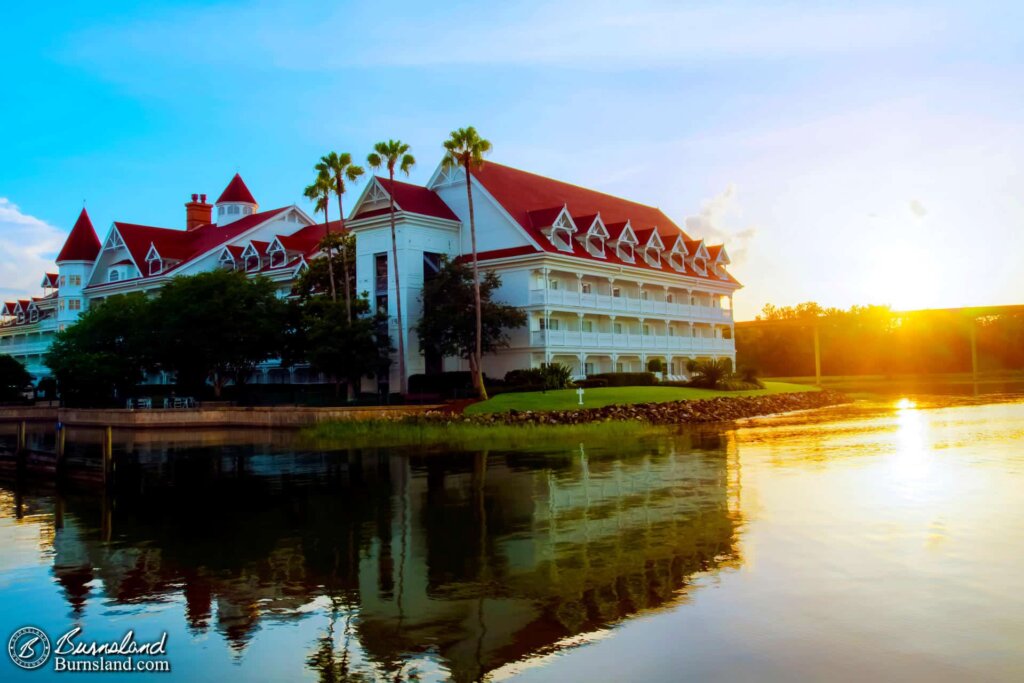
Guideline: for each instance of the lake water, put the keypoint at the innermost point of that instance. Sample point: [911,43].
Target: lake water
[879,541]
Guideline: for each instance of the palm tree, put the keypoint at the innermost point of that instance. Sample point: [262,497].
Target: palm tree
[339,168]
[391,154]
[320,193]
[466,148]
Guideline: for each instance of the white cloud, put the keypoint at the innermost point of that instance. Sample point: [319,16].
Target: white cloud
[716,224]
[28,246]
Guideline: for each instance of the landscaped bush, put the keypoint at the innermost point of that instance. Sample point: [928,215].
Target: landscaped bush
[548,376]
[627,379]
[717,374]
[591,383]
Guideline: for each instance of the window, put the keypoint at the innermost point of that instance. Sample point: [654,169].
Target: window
[380,282]
[277,257]
[647,329]
[75,280]
[60,282]
[292,218]
[431,265]
[220,211]
[552,284]
[671,331]
[232,210]
[586,288]
[226,260]
[669,298]
[113,276]
[588,368]
[617,292]
[380,272]
[155,265]
[588,326]
[60,304]
[693,330]
[549,323]
[252,261]
[74,304]
[643,294]
[33,315]
[620,367]
[617,328]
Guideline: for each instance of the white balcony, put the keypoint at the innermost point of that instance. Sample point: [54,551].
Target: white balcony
[607,304]
[629,342]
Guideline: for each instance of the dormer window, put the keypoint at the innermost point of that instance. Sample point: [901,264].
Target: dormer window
[156,265]
[596,233]
[226,260]
[652,250]
[114,275]
[625,242]
[277,255]
[700,264]
[33,314]
[561,232]
[677,256]
[251,258]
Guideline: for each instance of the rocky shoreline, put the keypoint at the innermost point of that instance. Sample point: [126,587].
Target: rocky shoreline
[719,409]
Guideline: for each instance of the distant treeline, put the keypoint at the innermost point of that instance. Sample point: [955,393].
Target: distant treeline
[872,340]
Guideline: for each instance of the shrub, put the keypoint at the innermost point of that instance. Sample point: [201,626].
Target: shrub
[748,375]
[547,376]
[655,365]
[708,374]
[627,379]
[590,383]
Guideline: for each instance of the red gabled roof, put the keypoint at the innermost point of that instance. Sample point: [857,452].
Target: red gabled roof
[307,240]
[185,245]
[82,243]
[530,200]
[236,191]
[413,199]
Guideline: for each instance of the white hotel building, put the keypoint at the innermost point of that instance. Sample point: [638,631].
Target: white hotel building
[608,284]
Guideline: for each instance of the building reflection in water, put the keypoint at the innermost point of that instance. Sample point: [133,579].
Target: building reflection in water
[470,562]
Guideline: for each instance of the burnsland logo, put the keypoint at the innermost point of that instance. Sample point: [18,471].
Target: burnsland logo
[29,648]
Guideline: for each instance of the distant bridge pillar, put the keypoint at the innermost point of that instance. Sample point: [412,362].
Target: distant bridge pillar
[974,349]
[817,356]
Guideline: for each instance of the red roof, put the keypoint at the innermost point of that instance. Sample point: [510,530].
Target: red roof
[236,191]
[184,245]
[307,240]
[534,201]
[82,243]
[413,199]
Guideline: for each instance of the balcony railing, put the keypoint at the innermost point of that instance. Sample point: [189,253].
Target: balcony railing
[629,341]
[605,303]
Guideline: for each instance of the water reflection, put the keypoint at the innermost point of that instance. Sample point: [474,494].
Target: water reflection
[410,567]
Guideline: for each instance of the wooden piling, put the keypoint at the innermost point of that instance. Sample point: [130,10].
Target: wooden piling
[108,456]
[974,349]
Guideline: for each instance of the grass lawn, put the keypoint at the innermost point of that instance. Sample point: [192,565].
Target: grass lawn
[566,399]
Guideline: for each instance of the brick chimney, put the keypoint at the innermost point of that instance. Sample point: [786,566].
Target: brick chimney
[198,212]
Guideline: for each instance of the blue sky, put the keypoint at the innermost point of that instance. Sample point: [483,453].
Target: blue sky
[846,152]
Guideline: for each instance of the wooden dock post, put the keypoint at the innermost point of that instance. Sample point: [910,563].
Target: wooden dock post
[108,456]
[61,445]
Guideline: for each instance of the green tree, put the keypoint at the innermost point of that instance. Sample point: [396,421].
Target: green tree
[344,348]
[13,378]
[105,353]
[316,278]
[340,169]
[448,325]
[319,191]
[218,326]
[465,148]
[394,154]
